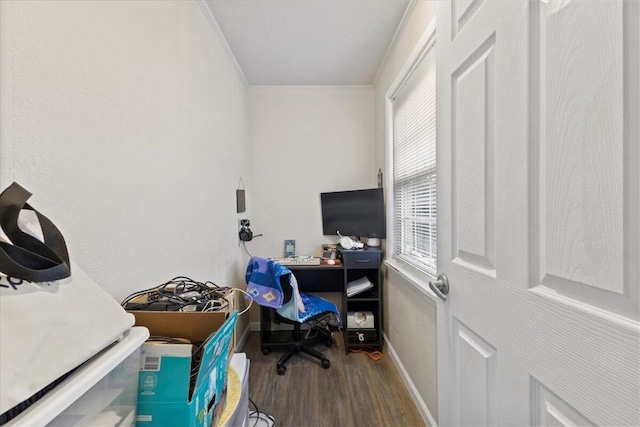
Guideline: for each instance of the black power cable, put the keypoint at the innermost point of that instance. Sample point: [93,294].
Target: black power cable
[268,420]
[177,294]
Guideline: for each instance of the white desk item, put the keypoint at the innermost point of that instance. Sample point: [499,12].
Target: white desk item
[302,260]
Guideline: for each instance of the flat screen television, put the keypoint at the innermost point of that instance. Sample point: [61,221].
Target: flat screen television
[358,213]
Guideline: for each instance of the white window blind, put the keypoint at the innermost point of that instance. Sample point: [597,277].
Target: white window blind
[414,165]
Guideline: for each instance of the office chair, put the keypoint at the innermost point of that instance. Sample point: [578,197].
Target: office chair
[275,289]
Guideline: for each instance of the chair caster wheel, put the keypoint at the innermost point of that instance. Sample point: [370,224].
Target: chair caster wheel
[328,343]
[266,351]
[325,363]
[282,369]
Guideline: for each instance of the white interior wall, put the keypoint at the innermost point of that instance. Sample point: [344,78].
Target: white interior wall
[304,142]
[409,318]
[128,123]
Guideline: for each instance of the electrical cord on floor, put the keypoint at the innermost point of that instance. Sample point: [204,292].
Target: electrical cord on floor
[369,351]
[265,420]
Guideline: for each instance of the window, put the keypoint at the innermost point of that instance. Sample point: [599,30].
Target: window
[413,140]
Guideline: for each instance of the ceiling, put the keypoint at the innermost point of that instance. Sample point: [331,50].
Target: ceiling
[308,42]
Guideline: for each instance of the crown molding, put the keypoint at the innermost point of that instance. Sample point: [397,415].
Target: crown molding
[396,37]
[223,41]
[315,87]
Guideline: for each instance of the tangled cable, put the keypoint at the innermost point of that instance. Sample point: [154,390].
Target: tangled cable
[183,294]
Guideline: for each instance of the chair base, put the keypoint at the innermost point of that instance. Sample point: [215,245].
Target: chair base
[298,347]
[292,340]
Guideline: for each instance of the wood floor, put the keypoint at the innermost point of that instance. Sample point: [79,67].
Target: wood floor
[354,391]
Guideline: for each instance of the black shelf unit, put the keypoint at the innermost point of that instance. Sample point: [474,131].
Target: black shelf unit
[360,263]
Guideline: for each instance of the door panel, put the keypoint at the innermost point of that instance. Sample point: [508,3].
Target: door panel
[582,150]
[472,144]
[538,216]
[550,410]
[463,10]
[475,379]
[580,144]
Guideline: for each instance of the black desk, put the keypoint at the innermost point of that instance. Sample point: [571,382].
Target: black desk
[319,278]
[333,278]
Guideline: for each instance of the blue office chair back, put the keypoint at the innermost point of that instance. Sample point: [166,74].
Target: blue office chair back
[273,285]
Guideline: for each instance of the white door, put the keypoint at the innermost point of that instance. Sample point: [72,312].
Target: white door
[538,212]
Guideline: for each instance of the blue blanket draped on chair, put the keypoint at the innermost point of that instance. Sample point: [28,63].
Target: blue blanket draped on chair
[263,279]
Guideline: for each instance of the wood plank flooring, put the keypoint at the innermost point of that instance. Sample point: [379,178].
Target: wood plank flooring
[354,391]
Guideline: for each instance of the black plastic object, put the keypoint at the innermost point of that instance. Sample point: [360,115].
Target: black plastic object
[26,257]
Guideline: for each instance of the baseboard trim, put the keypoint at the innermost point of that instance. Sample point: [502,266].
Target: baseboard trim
[242,339]
[413,391]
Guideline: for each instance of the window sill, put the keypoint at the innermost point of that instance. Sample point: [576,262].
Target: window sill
[418,281]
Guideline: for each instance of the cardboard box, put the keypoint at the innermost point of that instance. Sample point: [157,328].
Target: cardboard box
[165,394]
[198,328]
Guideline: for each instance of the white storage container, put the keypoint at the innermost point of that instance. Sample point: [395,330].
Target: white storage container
[240,364]
[103,392]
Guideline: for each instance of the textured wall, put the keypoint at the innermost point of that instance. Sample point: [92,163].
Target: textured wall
[128,122]
[410,327]
[410,318]
[304,142]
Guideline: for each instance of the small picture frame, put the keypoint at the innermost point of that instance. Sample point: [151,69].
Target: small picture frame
[289,248]
[240,202]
